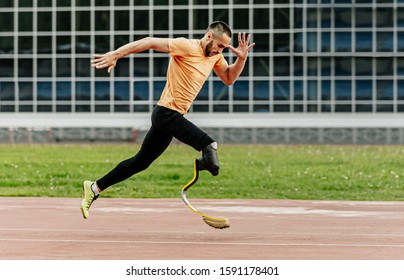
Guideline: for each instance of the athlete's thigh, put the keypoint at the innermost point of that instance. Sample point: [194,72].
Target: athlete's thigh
[155,143]
[176,125]
[188,133]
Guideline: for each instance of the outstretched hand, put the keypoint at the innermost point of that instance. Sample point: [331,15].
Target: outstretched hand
[243,48]
[108,59]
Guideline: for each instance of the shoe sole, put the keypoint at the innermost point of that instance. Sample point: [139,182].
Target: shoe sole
[82,212]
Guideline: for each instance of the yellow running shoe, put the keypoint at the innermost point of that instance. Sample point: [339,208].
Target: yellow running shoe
[87,198]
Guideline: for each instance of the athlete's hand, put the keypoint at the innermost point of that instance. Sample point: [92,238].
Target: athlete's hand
[108,59]
[243,48]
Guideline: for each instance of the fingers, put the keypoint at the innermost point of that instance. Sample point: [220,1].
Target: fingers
[250,46]
[110,68]
[98,55]
[97,58]
[248,39]
[242,38]
[100,61]
[99,64]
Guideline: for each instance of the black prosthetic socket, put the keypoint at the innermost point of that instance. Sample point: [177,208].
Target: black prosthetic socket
[209,160]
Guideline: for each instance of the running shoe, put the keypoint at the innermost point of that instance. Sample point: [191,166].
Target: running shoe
[87,198]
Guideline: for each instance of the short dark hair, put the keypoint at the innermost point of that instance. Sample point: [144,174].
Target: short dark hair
[219,27]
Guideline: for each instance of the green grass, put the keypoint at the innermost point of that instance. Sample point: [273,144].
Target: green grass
[273,171]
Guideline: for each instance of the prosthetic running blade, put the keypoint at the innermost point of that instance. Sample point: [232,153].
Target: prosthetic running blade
[219,223]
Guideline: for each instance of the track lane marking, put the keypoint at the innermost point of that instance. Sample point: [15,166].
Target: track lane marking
[202,232]
[204,243]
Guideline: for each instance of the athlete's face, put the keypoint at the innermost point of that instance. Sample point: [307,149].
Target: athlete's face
[216,46]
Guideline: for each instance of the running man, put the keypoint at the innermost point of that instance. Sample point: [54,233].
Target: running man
[190,65]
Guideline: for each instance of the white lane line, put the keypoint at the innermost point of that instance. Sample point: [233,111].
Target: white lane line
[129,231]
[230,209]
[203,243]
[199,232]
[302,211]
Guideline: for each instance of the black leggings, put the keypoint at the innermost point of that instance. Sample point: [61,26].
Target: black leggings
[166,124]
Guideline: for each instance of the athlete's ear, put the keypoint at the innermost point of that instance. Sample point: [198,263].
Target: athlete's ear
[209,36]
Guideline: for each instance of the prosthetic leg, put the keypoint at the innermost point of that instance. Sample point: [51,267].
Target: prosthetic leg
[219,223]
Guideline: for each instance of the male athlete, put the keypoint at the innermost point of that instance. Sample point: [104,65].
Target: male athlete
[190,65]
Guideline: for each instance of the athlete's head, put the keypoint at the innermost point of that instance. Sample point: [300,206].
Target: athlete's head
[217,37]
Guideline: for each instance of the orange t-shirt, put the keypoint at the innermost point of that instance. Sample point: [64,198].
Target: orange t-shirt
[187,72]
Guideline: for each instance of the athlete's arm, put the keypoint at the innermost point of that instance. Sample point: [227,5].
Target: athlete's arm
[110,59]
[229,74]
